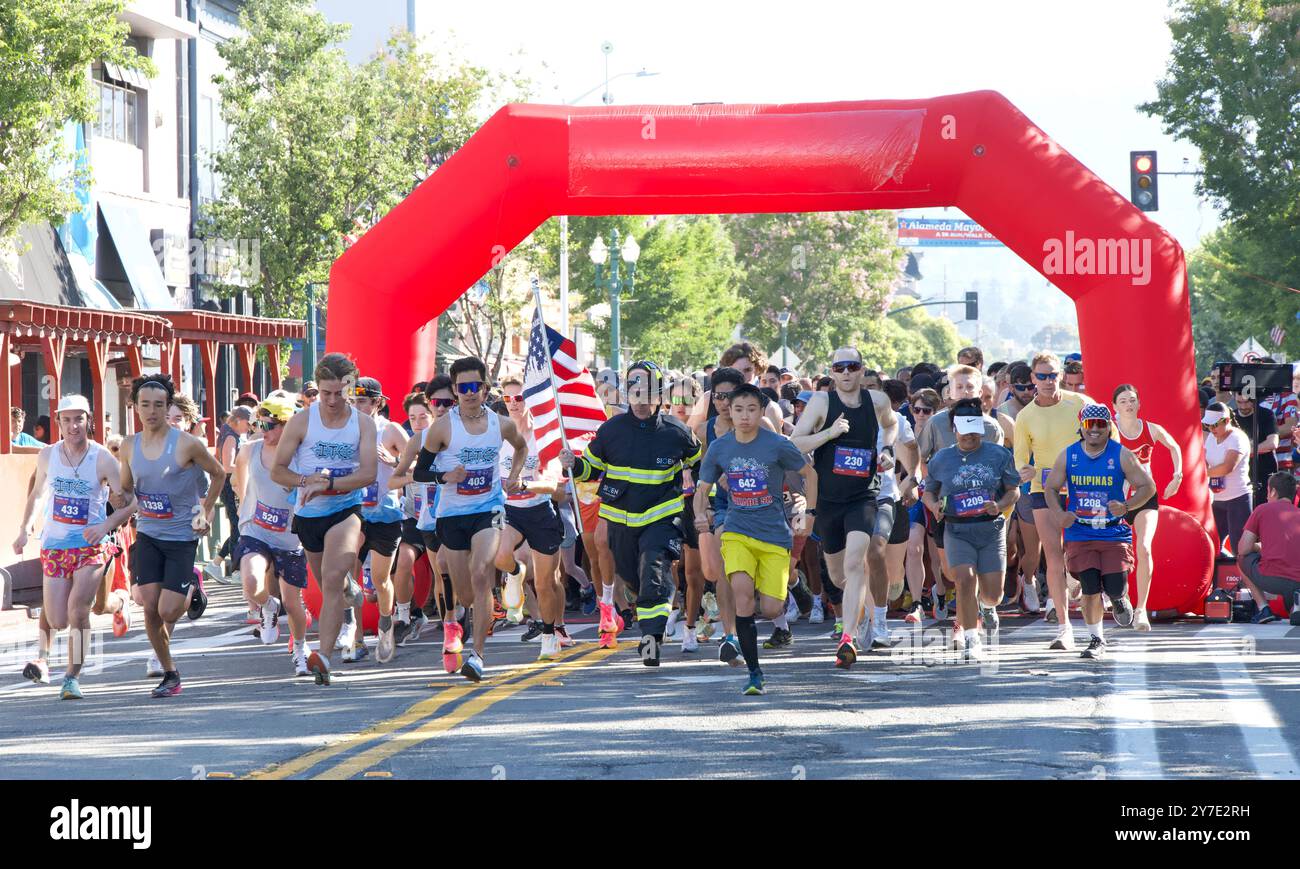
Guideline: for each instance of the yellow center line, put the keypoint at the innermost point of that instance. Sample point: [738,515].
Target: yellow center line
[395,743]
[420,710]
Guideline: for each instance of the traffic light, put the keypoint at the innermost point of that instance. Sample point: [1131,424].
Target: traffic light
[1144,190]
[972,305]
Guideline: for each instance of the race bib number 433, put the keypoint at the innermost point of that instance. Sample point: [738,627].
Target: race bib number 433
[854,461]
[71,511]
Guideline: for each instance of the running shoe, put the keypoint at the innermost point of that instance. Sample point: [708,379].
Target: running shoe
[1064,641]
[270,617]
[199,602]
[513,596]
[990,619]
[607,616]
[1096,649]
[670,628]
[39,671]
[802,596]
[1029,598]
[1050,615]
[1263,616]
[534,631]
[705,631]
[729,650]
[754,686]
[958,639]
[170,686]
[690,642]
[215,571]
[838,630]
[938,612]
[319,666]
[153,669]
[780,639]
[386,648]
[355,653]
[565,640]
[401,630]
[418,622]
[710,602]
[472,669]
[347,633]
[254,616]
[588,599]
[818,613]
[453,637]
[916,615]
[300,667]
[609,640]
[1140,620]
[1123,611]
[550,647]
[792,610]
[122,618]
[71,690]
[975,650]
[880,638]
[847,654]
[648,649]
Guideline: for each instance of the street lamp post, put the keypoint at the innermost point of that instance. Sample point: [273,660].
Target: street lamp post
[784,319]
[602,254]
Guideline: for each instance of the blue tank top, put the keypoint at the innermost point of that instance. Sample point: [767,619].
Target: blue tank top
[721,501]
[1091,485]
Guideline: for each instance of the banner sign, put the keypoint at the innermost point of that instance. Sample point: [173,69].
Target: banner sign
[930,232]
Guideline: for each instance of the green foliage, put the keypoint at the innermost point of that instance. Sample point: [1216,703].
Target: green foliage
[906,339]
[46,47]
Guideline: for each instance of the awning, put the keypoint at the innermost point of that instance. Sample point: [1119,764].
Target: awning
[46,275]
[138,259]
[155,25]
[135,78]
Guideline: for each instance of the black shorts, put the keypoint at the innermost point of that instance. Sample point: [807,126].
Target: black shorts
[381,538]
[411,535]
[835,521]
[431,541]
[690,537]
[884,520]
[902,524]
[456,532]
[290,567]
[934,528]
[170,562]
[1152,503]
[311,530]
[540,526]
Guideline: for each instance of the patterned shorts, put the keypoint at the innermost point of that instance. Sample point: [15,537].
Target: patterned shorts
[63,563]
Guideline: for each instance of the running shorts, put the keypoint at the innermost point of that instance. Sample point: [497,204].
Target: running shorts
[170,562]
[456,532]
[381,538]
[311,530]
[63,563]
[835,521]
[290,567]
[539,526]
[767,563]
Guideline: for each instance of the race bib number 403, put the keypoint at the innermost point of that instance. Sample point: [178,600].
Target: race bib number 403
[749,488]
[854,461]
[476,482]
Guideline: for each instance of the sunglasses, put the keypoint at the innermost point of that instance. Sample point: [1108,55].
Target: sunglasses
[842,367]
[311,393]
[682,399]
[724,396]
[1022,387]
[1051,376]
[442,402]
[922,411]
[508,399]
[470,388]
[268,424]
[1096,423]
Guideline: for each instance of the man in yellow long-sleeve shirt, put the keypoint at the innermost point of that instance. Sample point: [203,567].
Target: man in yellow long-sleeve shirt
[1044,428]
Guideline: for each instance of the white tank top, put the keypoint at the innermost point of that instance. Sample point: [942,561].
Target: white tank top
[266,511]
[530,474]
[77,498]
[480,491]
[426,496]
[335,448]
[378,502]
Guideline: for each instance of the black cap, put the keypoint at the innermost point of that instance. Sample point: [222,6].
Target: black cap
[368,387]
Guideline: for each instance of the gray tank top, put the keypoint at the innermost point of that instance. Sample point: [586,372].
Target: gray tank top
[265,512]
[167,493]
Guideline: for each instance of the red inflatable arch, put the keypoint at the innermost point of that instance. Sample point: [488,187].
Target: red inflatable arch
[975,151]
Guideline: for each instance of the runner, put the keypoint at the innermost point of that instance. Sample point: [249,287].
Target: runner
[462,453]
[978,483]
[757,543]
[267,549]
[170,520]
[683,395]
[73,478]
[1029,550]
[749,361]
[1044,428]
[531,518]
[896,496]
[1140,438]
[924,404]
[409,620]
[320,457]
[381,511]
[841,431]
[641,454]
[1095,471]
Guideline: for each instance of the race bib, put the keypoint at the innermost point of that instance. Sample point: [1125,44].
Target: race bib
[334,473]
[155,506]
[1217,484]
[71,511]
[271,518]
[970,503]
[519,496]
[1043,481]
[431,495]
[370,496]
[477,482]
[419,503]
[1090,504]
[749,487]
[854,462]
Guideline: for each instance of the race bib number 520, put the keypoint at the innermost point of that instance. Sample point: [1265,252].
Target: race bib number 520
[854,461]
[271,518]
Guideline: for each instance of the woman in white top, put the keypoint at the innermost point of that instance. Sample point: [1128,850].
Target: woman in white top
[1227,453]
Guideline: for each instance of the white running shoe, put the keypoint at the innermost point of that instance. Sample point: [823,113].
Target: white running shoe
[818,614]
[690,643]
[347,636]
[154,668]
[792,610]
[1140,620]
[300,662]
[270,618]
[386,647]
[880,638]
[1050,611]
[550,647]
[1064,641]
[958,640]
[1030,597]
[975,650]
[670,629]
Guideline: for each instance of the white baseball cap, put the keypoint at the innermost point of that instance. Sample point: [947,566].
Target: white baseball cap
[73,403]
[968,425]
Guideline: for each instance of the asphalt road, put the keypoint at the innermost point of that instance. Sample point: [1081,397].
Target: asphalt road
[1186,700]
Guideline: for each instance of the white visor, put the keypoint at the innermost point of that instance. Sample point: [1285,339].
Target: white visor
[1212,416]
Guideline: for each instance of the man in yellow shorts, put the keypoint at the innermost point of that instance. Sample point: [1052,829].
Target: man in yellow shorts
[751,463]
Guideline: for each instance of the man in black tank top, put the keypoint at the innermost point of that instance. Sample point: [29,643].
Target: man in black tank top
[840,428]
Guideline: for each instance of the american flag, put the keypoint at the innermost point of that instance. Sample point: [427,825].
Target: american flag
[1277,335]
[582,410]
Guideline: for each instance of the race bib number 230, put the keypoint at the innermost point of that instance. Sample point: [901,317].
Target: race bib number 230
[854,461]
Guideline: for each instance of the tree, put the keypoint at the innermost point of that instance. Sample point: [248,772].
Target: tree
[1055,337]
[908,338]
[46,47]
[318,150]
[835,271]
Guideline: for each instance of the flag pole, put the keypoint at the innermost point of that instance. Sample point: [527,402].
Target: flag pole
[569,485]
